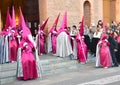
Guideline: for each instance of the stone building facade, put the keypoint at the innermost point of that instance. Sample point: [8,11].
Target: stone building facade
[92,10]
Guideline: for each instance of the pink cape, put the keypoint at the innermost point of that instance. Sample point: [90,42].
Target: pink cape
[82,49]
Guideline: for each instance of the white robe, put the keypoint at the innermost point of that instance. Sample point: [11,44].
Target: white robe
[4,49]
[7,49]
[49,48]
[19,64]
[1,49]
[63,45]
[75,48]
[98,56]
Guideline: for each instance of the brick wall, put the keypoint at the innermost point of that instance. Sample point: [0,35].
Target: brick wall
[75,10]
[60,6]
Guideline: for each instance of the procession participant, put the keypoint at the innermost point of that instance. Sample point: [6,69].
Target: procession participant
[63,40]
[103,56]
[13,44]
[41,39]
[4,42]
[28,65]
[82,51]
[52,35]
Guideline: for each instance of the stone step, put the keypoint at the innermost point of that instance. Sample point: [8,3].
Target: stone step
[59,65]
[9,73]
[60,70]
[8,66]
[7,80]
[53,61]
[75,67]
[49,67]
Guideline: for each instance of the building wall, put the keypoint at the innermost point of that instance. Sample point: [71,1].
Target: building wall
[99,9]
[60,6]
[118,10]
[74,8]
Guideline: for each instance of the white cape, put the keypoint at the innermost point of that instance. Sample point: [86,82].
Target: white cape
[49,48]
[63,45]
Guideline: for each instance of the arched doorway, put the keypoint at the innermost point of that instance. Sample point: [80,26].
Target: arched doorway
[87,13]
[30,10]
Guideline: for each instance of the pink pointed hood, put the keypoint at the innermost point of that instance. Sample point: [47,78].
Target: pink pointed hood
[55,24]
[8,19]
[64,21]
[13,18]
[44,24]
[82,27]
[22,25]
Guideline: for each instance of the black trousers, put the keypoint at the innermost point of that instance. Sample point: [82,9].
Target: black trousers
[114,58]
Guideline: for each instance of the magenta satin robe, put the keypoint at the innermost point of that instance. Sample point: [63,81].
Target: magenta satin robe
[105,57]
[13,47]
[41,43]
[53,39]
[81,49]
[28,63]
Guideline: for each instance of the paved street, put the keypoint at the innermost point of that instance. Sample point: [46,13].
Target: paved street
[86,75]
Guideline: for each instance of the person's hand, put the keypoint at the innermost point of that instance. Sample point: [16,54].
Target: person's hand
[115,50]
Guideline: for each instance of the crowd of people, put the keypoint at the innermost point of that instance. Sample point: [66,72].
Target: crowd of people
[17,44]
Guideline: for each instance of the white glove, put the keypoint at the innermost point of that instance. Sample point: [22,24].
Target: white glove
[72,38]
[106,40]
[18,36]
[12,31]
[25,44]
[54,32]
[9,34]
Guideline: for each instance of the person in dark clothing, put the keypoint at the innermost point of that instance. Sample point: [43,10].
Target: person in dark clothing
[113,49]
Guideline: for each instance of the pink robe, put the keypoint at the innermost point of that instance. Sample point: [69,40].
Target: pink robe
[28,63]
[82,49]
[41,43]
[53,39]
[13,45]
[118,39]
[105,57]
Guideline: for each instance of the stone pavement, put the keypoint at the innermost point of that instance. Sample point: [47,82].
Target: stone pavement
[50,63]
[86,74]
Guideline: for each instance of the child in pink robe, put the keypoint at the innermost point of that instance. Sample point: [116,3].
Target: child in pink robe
[28,60]
[105,57]
[82,49]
